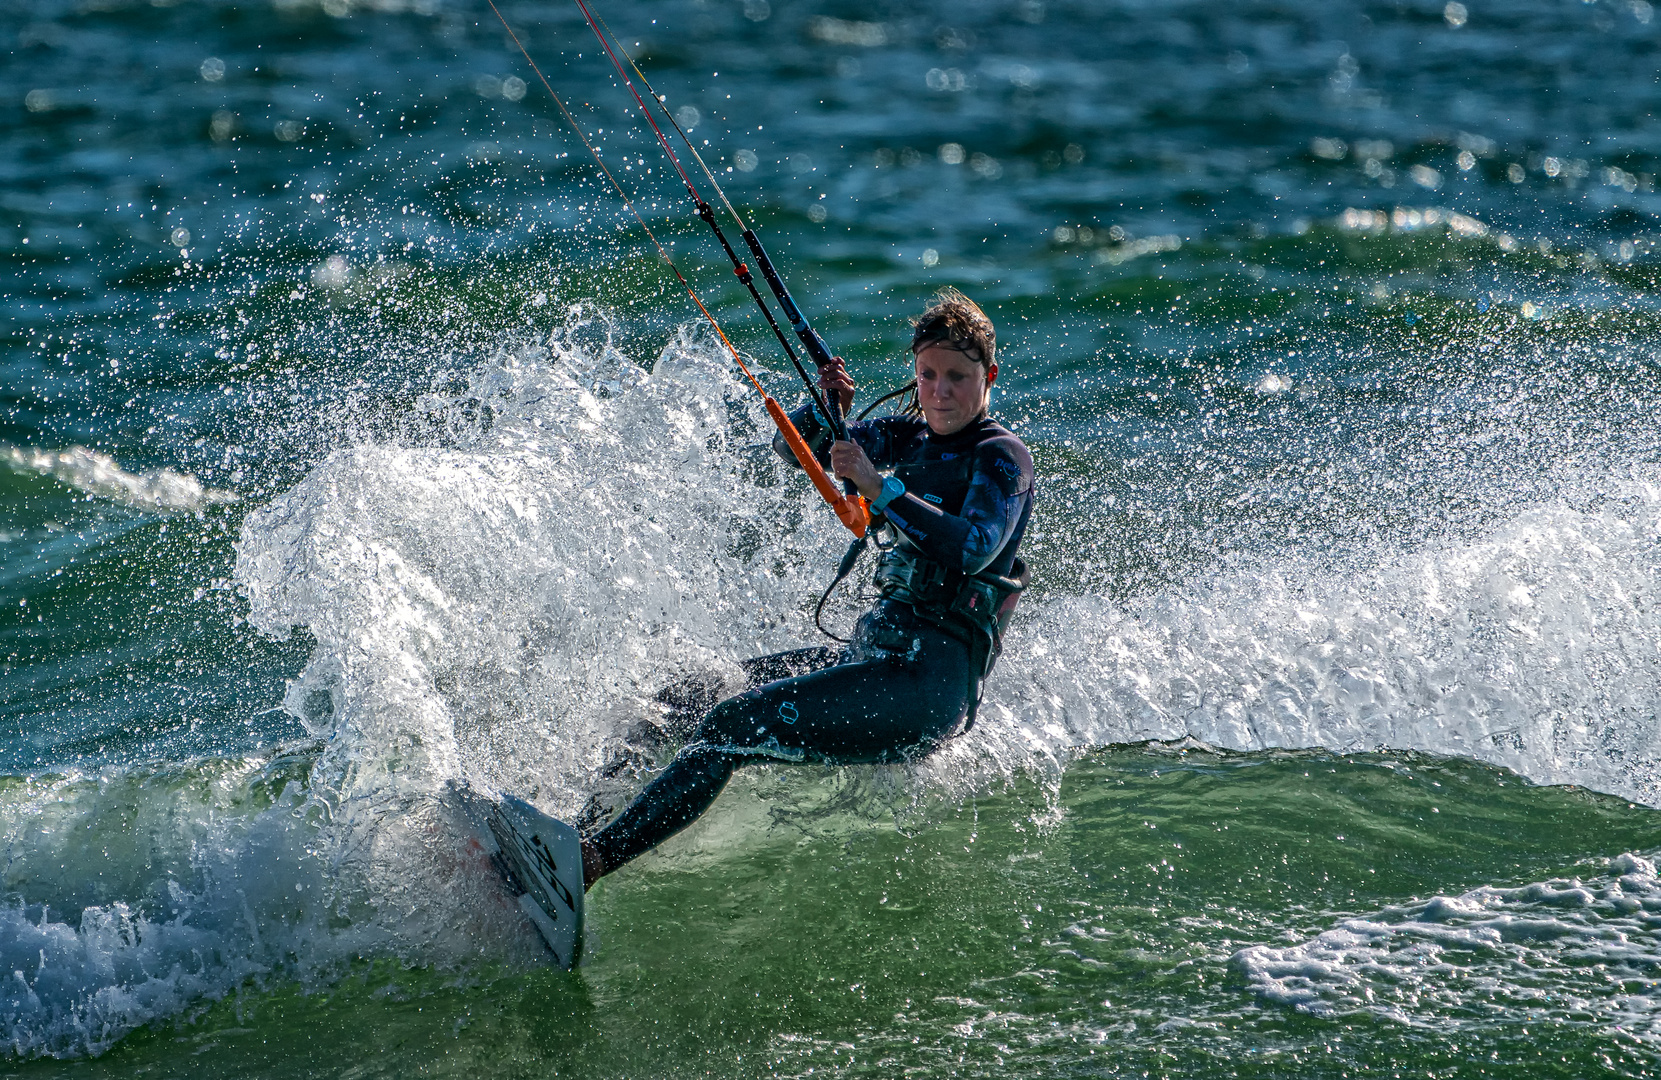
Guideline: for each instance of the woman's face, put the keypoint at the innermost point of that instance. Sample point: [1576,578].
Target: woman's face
[951,387]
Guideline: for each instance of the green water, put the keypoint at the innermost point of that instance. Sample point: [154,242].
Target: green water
[1009,935]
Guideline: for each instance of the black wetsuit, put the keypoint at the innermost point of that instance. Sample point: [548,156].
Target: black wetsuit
[910,676]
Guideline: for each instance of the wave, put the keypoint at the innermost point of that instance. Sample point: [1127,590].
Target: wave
[1564,951]
[139,895]
[154,490]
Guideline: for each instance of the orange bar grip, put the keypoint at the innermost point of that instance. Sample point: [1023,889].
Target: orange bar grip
[851,511]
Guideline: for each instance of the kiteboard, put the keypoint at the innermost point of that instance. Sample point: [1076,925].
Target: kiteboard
[541,858]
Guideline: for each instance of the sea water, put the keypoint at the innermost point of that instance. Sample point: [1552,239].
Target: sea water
[356,442]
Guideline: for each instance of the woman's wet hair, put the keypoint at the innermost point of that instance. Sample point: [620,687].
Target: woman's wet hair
[956,322]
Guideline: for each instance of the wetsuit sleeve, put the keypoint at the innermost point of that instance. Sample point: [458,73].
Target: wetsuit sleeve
[1000,487]
[813,431]
[877,440]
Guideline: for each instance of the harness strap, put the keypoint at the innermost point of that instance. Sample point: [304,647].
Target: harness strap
[972,608]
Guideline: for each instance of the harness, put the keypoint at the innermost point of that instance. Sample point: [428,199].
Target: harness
[973,608]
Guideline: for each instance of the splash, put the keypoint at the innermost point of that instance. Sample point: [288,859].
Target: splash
[500,608]
[501,605]
[1531,647]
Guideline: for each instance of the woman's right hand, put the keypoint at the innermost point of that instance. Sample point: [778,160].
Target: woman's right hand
[834,379]
[849,462]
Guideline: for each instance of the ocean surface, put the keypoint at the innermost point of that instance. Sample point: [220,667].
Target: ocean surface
[354,442]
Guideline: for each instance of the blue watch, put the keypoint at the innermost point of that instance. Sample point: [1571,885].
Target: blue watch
[891,489]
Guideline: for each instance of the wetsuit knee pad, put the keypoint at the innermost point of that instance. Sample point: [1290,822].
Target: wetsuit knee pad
[732,722]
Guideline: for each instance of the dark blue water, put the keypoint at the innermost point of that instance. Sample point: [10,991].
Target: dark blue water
[355,439]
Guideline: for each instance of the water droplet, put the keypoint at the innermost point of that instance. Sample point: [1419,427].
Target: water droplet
[331,273]
[946,80]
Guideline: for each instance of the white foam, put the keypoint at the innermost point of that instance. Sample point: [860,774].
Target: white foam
[1561,951]
[209,882]
[1530,648]
[89,471]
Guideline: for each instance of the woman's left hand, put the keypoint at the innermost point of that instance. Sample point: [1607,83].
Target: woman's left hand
[849,462]
[834,379]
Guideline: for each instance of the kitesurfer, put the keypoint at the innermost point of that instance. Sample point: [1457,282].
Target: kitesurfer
[956,502]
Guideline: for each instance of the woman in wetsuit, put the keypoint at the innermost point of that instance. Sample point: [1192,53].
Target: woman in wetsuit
[956,505]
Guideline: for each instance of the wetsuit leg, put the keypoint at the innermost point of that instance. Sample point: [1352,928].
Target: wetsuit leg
[869,711]
[685,704]
[784,665]
[688,701]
